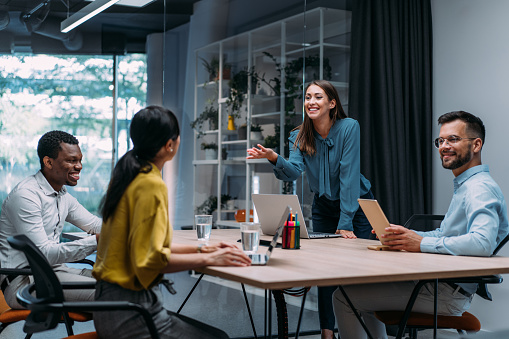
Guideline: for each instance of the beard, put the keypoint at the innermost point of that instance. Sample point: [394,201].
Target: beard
[460,161]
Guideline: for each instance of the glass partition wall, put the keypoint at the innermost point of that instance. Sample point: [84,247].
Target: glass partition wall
[262,56]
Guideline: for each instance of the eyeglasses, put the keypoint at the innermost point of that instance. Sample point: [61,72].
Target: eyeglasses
[450,140]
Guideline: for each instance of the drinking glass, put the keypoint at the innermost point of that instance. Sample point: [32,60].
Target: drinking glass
[250,236]
[203,225]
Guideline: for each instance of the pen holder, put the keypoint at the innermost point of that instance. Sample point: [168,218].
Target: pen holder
[291,235]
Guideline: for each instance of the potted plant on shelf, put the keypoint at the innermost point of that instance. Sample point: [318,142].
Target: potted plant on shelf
[212,68]
[256,132]
[210,114]
[227,202]
[242,132]
[208,206]
[210,150]
[238,90]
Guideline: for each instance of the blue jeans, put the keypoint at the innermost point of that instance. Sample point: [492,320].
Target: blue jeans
[325,219]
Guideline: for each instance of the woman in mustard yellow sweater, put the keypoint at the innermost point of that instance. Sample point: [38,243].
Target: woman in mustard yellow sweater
[135,248]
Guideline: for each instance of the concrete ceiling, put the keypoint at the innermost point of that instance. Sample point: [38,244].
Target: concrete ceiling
[118,30]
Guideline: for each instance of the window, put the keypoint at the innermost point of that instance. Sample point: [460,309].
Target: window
[73,93]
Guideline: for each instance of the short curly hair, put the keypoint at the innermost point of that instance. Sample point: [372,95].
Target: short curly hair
[49,144]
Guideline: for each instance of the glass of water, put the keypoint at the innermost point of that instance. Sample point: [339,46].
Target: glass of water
[203,225]
[250,236]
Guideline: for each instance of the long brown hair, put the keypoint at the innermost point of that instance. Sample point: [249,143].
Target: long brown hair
[306,139]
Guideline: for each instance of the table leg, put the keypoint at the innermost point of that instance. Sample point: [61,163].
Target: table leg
[300,314]
[435,310]
[249,311]
[357,315]
[409,307]
[269,305]
[191,292]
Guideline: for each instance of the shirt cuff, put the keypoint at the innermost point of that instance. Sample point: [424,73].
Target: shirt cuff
[278,166]
[90,242]
[429,244]
[344,224]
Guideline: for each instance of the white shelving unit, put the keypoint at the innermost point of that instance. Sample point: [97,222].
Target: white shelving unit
[277,53]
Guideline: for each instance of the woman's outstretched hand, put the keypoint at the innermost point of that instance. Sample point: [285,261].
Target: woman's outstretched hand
[228,256]
[261,153]
[214,247]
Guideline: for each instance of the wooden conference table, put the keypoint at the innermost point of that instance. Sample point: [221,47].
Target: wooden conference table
[338,261]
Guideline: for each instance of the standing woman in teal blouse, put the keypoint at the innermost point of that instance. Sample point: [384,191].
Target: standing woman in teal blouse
[327,147]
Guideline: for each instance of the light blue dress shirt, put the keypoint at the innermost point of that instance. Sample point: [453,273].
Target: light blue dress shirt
[334,171]
[476,221]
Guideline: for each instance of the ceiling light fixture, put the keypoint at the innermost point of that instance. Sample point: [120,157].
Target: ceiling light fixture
[132,3]
[85,13]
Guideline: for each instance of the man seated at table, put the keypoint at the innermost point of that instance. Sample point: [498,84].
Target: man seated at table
[39,206]
[475,224]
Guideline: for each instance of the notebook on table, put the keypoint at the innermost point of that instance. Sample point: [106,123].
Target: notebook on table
[263,259]
[268,206]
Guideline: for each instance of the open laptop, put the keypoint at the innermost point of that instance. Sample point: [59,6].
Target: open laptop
[263,259]
[268,206]
[377,219]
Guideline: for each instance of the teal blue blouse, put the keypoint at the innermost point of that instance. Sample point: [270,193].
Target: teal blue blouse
[334,171]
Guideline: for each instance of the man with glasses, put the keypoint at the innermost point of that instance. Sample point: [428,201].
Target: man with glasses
[38,207]
[475,224]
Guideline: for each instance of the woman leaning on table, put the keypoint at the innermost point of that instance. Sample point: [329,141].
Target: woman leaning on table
[326,146]
[135,247]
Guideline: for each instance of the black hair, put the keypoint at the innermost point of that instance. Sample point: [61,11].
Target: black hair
[49,144]
[474,124]
[151,128]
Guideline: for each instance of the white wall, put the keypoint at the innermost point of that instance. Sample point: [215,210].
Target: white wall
[471,73]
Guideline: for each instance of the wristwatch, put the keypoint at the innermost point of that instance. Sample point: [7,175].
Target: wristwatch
[199,248]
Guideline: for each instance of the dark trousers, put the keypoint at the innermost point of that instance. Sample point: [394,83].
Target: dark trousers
[130,324]
[325,219]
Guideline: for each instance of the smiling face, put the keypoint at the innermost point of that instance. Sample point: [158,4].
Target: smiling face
[65,169]
[317,103]
[458,157]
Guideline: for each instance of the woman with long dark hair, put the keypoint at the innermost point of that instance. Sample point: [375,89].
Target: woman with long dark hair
[326,146]
[135,247]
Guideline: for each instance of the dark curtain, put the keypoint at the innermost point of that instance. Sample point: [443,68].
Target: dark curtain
[390,96]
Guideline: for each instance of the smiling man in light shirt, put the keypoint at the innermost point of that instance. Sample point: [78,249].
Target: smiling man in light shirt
[474,225]
[38,207]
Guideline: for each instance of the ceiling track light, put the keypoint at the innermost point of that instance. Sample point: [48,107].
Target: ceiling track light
[85,13]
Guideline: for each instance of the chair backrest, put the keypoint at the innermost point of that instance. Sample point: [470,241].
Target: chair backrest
[424,222]
[47,285]
[502,243]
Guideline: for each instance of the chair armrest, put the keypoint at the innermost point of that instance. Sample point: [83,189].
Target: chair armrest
[482,281]
[77,285]
[44,305]
[15,271]
[485,279]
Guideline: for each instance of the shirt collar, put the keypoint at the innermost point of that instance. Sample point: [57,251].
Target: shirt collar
[154,170]
[327,141]
[460,179]
[46,187]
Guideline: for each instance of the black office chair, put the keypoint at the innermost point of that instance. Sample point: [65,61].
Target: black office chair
[48,305]
[414,321]
[10,316]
